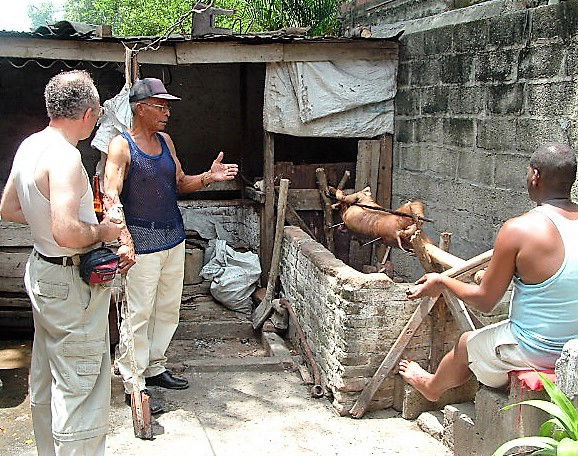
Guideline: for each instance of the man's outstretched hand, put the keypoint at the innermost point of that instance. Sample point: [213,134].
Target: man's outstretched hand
[223,171]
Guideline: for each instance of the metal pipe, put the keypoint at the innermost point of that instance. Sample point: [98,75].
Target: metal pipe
[316,389]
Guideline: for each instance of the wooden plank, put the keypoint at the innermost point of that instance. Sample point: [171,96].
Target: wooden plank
[262,312]
[17,319]
[234,52]
[340,50]
[367,168]
[18,301]
[384,179]
[302,199]
[190,52]
[421,311]
[15,235]
[424,307]
[303,176]
[268,211]
[93,51]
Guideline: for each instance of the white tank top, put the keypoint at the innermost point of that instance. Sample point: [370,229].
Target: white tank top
[35,206]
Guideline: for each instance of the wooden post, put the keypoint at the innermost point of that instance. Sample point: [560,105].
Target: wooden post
[384,180]
[327,211]
[367,168]
[262,312]
[268,210]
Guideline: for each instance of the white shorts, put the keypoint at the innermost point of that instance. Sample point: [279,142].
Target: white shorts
[493,352]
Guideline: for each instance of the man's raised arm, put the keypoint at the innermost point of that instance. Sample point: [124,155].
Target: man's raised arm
[115,171]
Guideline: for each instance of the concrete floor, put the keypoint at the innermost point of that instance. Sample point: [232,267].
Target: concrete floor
[235,413]
[239,403]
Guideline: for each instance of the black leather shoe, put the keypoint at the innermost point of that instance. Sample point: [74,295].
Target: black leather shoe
[166,380]
[154,403]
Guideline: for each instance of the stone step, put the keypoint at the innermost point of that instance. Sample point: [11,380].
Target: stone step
[253,364]
[201,318]
[188,330]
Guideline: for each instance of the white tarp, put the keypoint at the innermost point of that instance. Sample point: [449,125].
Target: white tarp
[330,99]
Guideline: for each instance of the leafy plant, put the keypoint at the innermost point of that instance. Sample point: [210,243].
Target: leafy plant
[153,17]
[559,435]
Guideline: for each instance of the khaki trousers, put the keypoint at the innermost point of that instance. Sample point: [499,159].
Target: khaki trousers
[70,368]
[154,286]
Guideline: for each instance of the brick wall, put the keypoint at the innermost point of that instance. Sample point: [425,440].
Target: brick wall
[475,98]
[240,220]
[351,319]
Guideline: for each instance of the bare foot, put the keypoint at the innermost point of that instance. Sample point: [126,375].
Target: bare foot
[419,378]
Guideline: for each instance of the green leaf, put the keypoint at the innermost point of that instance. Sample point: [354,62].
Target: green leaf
[538,442]
[567,447]
[552,409]
[547,428]
[560,399]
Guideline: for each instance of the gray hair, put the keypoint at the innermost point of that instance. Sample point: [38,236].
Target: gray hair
[69,94]
[557,165]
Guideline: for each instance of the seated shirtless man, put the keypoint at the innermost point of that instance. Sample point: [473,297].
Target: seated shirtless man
[539,251]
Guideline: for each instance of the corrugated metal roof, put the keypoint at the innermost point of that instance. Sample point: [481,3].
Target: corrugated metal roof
[84,32]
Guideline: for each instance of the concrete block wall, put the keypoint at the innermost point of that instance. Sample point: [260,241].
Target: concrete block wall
[350,319]
[476,95]
[239,219]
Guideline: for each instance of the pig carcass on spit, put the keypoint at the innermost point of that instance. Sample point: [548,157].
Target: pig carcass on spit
[394,230]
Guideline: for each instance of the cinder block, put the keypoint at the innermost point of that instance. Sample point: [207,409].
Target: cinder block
[476,166]
[432,423]
[505,99]
[438,40]
[510,171]
[425,72]
[567,370]
[541,61]
[469,37]
[508,30]
[456,69]
[434,100]
[496,66]
[467,100]
[458,132]
[458,424]
[428,130]
[414,403]
[496,134]
[552,99]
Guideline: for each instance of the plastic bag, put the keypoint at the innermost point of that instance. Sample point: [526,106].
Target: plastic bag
[234,276]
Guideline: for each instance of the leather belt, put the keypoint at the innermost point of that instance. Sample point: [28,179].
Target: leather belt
[61,261]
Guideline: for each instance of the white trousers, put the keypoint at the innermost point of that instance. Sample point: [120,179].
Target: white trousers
[154,286]
[70,368]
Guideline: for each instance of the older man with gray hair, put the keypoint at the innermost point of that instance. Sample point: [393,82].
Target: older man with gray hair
[48,189]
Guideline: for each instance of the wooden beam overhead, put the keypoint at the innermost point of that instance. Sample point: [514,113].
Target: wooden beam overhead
[194,52]
[92,51]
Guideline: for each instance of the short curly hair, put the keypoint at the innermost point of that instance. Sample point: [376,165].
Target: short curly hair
[69,94]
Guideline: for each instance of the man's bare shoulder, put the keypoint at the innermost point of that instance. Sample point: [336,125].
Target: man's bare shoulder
[528,224]
[118,147]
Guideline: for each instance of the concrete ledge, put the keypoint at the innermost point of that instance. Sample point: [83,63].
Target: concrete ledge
[432,423]
[253,364]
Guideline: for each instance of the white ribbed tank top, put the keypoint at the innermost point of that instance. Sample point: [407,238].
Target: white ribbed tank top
[35,206]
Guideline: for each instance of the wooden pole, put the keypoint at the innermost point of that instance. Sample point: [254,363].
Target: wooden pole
[268,213]
[327,211]
[262,312]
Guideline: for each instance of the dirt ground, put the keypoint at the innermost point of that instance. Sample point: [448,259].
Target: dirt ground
[222,413]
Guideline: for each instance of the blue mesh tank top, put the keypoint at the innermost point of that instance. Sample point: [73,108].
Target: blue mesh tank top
[149,198]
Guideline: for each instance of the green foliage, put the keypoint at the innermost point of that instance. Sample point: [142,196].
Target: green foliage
[40,14]
[154,17]
[559,435]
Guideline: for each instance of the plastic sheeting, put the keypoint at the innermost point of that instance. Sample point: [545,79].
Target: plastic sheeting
[234,276]
[330,99]
[116,119]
